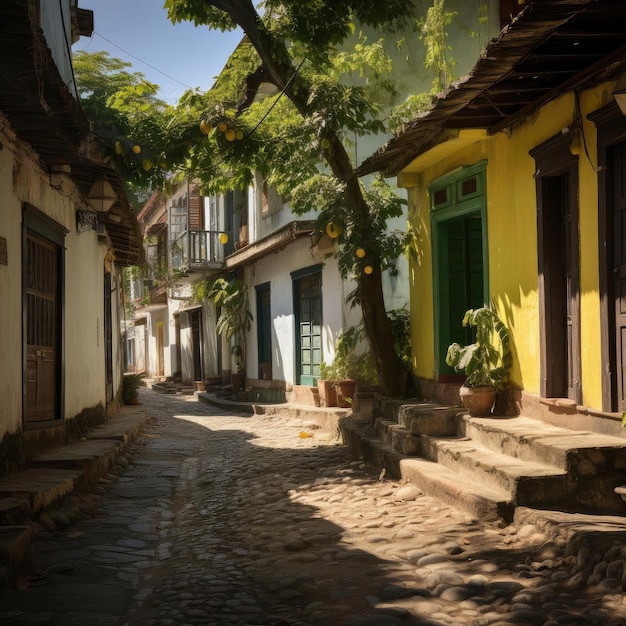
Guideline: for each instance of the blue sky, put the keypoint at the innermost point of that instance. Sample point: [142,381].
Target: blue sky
[175,57]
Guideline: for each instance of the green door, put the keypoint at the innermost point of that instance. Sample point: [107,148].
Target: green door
[308,314]
[458,213]
[461,285]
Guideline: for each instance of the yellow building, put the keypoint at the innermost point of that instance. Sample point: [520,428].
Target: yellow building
[516,182]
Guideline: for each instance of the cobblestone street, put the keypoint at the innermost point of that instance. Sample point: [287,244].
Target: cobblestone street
[223,519]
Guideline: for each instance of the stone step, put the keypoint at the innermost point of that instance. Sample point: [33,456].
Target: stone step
[475,499]
[91,459]
[41,487]
[525,482]
[579,452]
[429,418]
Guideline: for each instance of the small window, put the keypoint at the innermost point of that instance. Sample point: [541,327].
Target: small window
[440,197]
[468,186]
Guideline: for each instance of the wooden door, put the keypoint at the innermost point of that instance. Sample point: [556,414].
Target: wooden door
[108,337]
[617,192]
[42,329]
[264,331]
[308,305]
[461,283]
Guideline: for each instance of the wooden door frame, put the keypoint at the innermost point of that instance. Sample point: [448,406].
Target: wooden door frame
[611,129]
[553,158]
[41,225]
[264,372]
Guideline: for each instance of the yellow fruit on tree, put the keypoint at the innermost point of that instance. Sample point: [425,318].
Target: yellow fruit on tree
[147,165]
[325,143]
[204,127]
[360,252]
[239,135]
[118,148]
[368,269]
[333,230]
[223,127]
[230,135]
[136,149]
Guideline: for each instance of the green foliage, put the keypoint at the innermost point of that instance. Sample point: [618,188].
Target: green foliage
[400,320]
[488,361]
[434,34]
[235,320]
[130,384]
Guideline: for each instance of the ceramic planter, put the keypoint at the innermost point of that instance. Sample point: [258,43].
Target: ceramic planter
[327,392]
[478,400]
[345,393]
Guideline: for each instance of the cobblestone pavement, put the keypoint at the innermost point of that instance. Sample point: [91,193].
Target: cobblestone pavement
[221,519]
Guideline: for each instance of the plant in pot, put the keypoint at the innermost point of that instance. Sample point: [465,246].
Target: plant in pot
[486,362]
[234,322]
[130,384]
[326,385]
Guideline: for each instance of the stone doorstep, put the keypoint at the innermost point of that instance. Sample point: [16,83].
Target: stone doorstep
[58,473]
[326,418]
[525,482]
[41,486]
[533,440]
[428,418]
[471,497]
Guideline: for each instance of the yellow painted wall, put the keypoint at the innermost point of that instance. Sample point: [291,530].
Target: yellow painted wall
[512,238]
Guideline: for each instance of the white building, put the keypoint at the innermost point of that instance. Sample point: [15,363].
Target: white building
[65,230]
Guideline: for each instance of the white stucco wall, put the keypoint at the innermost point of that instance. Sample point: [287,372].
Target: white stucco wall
[22,181]
[84,322]
[276,269]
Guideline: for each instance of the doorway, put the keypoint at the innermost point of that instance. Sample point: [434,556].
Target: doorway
[558,269]
[460,281]
[307,293]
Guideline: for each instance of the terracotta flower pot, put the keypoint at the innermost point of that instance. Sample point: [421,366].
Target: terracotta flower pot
[327,393]
[345,393]
[478,400]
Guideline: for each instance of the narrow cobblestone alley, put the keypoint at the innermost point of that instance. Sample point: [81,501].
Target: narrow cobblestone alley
[224,519]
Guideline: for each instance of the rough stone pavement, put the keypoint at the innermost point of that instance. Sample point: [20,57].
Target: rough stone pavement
[219,519]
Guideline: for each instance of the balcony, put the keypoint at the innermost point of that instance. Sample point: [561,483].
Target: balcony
[199,250]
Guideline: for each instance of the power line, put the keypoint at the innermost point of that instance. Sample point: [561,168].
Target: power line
[156,69]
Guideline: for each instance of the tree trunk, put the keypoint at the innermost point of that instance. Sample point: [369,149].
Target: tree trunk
[392,373]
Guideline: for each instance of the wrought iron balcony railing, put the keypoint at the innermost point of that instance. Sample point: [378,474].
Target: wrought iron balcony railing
[199,249]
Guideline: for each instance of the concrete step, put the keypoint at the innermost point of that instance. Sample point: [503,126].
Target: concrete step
[525,482]
[90,459]
[476,500]
[54,474]
[533,440]
[39,487]
[429,418]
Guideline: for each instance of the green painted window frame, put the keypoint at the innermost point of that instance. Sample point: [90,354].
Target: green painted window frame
[455,207]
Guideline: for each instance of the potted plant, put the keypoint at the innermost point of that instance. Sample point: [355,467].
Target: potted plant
[234,322]
[326,385]
[486,362]
[130,384]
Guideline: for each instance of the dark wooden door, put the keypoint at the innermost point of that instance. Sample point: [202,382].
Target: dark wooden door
[42,329]
[196,344]
[108,337]
[264,331]
[618,201]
